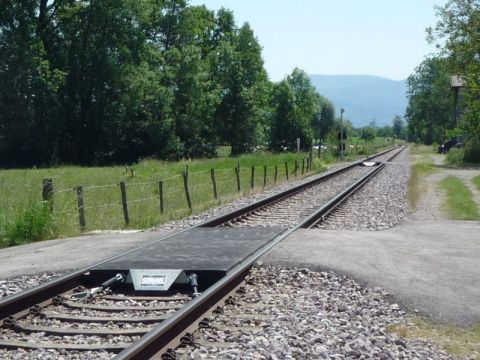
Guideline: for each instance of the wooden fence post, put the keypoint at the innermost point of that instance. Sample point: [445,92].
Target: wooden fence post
[187,191]
[160,195]
[296,167]
[303,166]
[123,193]
[81,208]
[214,184]
[264,175]
[286,170]
[252,181]
[47,193]
[310,155]
[275,175]
[237,174]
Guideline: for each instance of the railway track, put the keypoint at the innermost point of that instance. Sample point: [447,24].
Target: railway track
[103,316]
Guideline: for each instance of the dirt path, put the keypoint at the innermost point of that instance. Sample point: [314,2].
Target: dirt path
[430,206]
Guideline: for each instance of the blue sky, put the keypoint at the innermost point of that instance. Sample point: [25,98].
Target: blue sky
[375,37]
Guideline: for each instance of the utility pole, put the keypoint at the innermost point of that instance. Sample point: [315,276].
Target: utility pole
[342,110]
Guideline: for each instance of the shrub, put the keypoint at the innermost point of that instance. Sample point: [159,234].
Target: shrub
[469,154]
[472,153]
[33,223]
[456,156]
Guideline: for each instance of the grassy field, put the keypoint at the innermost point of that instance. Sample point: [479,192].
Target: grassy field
[423,165]
[459,202]
[464,342]
[24,217]
[476,182]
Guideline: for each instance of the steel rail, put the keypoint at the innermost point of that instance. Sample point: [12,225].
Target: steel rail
[26,299]
[156,342]
[345,194]
[222,219]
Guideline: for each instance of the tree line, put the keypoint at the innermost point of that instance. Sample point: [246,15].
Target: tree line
[433,115]
[111,81]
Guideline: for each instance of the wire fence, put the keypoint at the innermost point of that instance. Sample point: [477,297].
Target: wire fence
[144,203]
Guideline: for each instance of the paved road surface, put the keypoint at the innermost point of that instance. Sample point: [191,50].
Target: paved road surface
[431,266]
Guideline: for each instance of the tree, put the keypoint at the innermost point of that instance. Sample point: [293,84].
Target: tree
[323,121]
[29,80]
[458,36]
[430,105]
[398,126]
[368,135]
[296,107]
[385,131]
[238,69]
[112,81]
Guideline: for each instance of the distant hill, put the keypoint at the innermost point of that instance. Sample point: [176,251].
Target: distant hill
[364,97]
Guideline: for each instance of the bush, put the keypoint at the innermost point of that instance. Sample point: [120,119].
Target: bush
[472,153]
[31,224]
[455,156]
[469,154]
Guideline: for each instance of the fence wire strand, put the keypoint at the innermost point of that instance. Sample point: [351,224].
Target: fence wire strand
[142,183]
[200,185]
[56,192]
[140,200]
[99,186]
[102,206]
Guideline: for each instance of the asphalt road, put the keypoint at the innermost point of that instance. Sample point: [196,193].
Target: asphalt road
[68,253]
[430,266]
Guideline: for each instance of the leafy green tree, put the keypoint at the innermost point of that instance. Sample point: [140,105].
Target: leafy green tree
[112,81]
[29,81]
[323,121]
[297,106]
[398,126]
[459,38]
[238,69]
[284,128]
[430,104]
[368,134]
[385,131]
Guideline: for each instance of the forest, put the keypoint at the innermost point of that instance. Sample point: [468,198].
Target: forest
[111,81]
[434,113]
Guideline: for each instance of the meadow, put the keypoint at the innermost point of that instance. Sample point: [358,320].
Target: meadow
[154,190]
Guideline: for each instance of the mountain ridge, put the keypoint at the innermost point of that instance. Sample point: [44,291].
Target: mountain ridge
[365,98]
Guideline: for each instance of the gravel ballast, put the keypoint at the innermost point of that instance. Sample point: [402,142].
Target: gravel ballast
[15,285]
[380,204]
[296,313]
[300,314]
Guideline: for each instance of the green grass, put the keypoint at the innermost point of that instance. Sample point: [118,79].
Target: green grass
[419,171]
[33,223]
[464,342]
[419,149]
[356,148]
[459,201]
[23,219]
[476,182]
[455,156]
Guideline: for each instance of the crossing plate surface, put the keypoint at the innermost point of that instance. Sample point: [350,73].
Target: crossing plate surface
[197,249]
